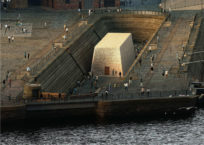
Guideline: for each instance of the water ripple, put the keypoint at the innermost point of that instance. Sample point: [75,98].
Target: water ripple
[180,132]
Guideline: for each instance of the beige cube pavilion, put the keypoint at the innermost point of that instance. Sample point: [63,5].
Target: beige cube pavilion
[113,55]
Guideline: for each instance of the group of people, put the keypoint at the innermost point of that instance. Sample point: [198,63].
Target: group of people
[26,55]
[142,89]
[66,29]
[11,39]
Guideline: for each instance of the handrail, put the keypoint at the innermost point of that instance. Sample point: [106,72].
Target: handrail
[123,95]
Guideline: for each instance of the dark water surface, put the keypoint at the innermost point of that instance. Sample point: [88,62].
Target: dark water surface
[186,131]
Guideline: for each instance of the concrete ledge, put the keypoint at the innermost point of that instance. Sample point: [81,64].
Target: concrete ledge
[14,112]
[102,108]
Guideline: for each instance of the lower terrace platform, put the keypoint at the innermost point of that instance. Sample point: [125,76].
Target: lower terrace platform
[164,90]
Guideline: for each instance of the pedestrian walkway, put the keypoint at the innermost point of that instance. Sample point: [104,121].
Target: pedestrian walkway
[37,44]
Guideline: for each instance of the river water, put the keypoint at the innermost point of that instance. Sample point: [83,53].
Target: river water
[184,131]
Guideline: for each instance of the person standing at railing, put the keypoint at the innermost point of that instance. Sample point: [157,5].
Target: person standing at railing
[130,81]
[142,91]
[89,12]
[106,92]
[126,86]
[9,82]
[141,82]
[148,92]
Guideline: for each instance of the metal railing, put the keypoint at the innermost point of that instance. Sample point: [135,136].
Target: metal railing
[123,95]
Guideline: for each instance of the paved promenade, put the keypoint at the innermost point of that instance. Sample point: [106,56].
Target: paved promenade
[42,27]
[171,39]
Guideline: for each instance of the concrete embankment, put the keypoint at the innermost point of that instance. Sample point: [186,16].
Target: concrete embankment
[145,107]
[102,108]
[13,112]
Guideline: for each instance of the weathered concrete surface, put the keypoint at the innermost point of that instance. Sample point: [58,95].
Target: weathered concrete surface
[143,107]
[13,112]
[104,108]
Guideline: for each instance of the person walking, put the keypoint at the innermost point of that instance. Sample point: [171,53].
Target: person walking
[4,83]
[157,39]
[28,55]
[166,73]
[130,81]
[142,91]
[120,74]
[53,46]
[152,58]
[9,82]
[140,61]
[66,29]
[28,69]
[152,67]
[141,82]
[25,54]
[109,87]
[64,37]
[12,38]
[9,39]
[89,12]
[65,26]
[179,60]
[148,92]
[150,49]
[45,24]
[6,27]
[106,93]
[96,78]
[163,72]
